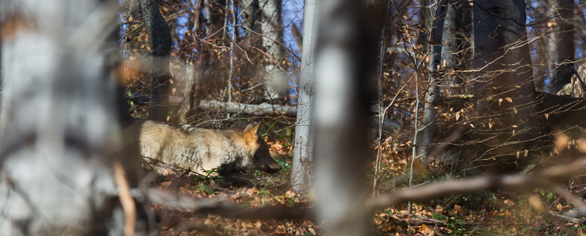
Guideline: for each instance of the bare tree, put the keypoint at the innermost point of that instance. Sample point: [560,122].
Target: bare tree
[190,100]
[346,58]
[435,56]
[457,46]
[504,88]
[562,45]
[250,15]
[160,43]
[272,40]
[302,155]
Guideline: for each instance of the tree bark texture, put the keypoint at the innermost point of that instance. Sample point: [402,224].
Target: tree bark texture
[504,87]
[563,45]
[302,155]
[345,64]
[457,46]
[249,15]
[429,112]
[276,80]
[190,99]
[160,43]
[60,125]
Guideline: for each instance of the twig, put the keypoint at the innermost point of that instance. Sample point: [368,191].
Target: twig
[516,182]
[568,219]
[579,204]
[125,199]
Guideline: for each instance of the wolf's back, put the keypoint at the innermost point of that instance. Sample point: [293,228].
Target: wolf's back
[199,149]
[186,147]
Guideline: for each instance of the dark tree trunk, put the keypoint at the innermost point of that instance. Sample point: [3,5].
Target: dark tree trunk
[505,89]
[160,43]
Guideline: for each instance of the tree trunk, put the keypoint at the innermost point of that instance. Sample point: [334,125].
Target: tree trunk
[429,112]
[450,49]
[457,47]
[160,43]
[60,125]
[564,46]
[276,79]
[190,100]
[1,78]
[209,17]
[302,155]
[249,15]
[345,62]
[505,82]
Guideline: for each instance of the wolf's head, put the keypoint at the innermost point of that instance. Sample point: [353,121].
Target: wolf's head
[261,158]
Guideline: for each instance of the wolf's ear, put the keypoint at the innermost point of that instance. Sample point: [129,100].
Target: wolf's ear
[248,128]
[252,133]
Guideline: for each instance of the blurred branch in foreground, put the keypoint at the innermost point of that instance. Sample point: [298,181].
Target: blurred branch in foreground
[547,178]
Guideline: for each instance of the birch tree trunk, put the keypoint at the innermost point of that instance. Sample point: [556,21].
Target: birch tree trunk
[190,98]
[249,12]
[302,155]
[429,112]
[60,127]
[275,80]
[563,45]
[449,48]
[505,84]
[457,45]
[160,43]
[346,59]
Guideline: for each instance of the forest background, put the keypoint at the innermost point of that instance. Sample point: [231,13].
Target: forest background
[234,62]
[474,110]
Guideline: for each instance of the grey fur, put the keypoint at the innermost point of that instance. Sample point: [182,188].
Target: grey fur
[200,149]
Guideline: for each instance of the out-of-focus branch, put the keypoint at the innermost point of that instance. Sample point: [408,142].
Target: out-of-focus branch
[546,178]
[218,207]
[578,203]
[516,182]
[125,198]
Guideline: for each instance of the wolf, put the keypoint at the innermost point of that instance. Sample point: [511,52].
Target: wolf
[201,150]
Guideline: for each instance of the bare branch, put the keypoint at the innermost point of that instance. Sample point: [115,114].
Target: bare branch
[516,182]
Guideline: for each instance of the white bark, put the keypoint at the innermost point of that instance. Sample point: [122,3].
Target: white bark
[429,112]
[551,51]
[345,61]
[276,79]
[249,15]
[261,109]
[302,155]
[563,45]
[59,125]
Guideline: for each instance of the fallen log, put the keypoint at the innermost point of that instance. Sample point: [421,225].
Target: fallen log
[389,126]
[260,109]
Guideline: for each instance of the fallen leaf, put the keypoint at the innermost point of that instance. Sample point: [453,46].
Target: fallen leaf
[536,203]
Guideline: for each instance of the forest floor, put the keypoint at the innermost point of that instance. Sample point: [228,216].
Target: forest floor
[487,213]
